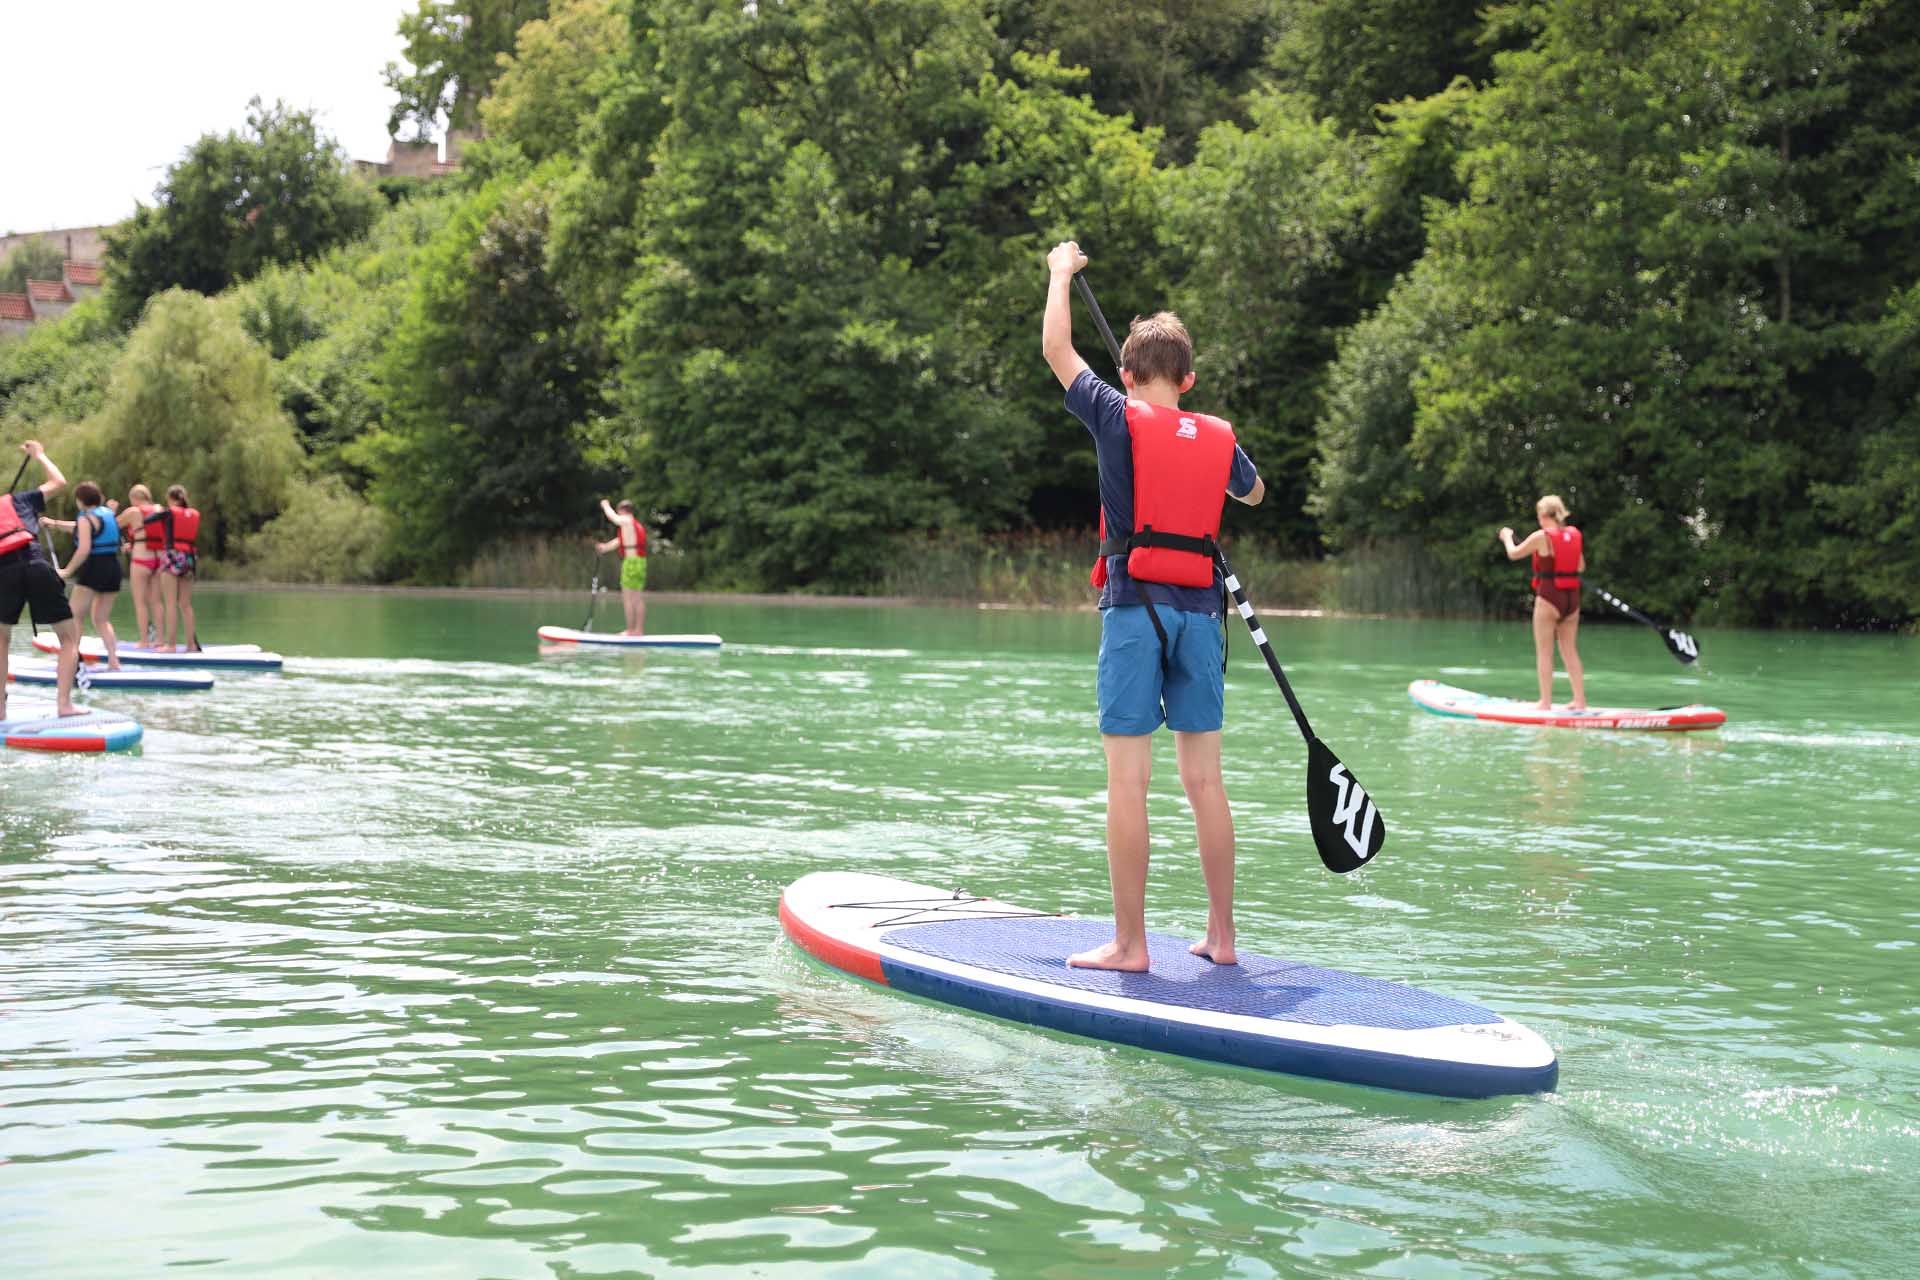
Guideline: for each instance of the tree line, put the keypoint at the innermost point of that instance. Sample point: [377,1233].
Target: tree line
[775,272]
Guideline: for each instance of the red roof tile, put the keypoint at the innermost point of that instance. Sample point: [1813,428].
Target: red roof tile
[14,306]
[79,272]
[48,291]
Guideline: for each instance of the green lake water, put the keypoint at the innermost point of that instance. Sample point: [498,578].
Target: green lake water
[435,956]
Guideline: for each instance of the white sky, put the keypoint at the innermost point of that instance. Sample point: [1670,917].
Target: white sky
[103,95]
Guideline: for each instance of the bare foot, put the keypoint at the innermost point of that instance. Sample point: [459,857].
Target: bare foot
[1220,951]
[1111,956]
[1576,706]
[71,710]
[1543,705]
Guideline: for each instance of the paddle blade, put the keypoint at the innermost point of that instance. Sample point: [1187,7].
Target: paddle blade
[1347,827]
[1680,644]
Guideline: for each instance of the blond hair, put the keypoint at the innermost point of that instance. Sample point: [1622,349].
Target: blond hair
[140,493]
[1552,506]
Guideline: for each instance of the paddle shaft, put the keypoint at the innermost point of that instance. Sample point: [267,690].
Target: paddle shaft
[1678,642]
[593,591]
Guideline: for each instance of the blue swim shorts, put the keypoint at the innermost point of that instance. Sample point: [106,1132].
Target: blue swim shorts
[1138,693]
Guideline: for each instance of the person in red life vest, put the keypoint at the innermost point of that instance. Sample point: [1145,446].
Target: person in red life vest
[95,566]
[144,524]
[1165,474]
[630,536]
[1558,557]
[28,580]
[179,564]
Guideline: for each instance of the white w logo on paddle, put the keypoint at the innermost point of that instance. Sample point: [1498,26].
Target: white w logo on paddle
[1683,643]
[1351,809]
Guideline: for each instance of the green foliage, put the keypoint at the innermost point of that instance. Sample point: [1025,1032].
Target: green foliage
[1350,56]
[487,391]
[192,403]
[324,533]
[453,47]
[36,259]
[235,203]
[57,371]
[560,68]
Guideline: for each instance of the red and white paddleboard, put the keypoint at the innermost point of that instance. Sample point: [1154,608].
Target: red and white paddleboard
[1464,704]
[1269,1014]
[619,640]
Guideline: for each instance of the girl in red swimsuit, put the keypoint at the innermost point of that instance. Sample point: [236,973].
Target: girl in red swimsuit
[1558,557]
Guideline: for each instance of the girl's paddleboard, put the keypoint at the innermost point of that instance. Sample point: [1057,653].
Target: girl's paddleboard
[567,635]
[90,678]
[238,657]
[1274,1015]
[1445,700]
[34,726]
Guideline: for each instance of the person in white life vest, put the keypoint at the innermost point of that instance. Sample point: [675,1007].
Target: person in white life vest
[1559,554]
[630,536]
[28,580]
[1165,474]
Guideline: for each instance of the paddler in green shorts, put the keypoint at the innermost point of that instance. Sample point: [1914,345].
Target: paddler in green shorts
[631,537]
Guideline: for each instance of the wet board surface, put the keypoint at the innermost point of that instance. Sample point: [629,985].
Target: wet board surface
[34,726]
[1266,1013]
[1446,700]
[240,657]
[46,673]
[615,640]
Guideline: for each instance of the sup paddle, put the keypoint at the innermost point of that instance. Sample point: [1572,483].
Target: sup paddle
[1679,643]
[1347,827]
[593,593]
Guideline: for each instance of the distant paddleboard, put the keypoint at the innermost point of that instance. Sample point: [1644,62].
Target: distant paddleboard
[34,726]
[568,635]
[239,657]
[1274,1015]
[1445,700]
[88,678]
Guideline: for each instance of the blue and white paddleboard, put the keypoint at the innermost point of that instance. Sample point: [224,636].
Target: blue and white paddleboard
[35,726]
[615,639]
[237,657]
[1274,1015]
[47,673]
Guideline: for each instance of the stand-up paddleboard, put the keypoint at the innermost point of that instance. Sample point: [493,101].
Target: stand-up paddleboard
[1274,1015]
[1445,700]
[242,657]
[88,678]
[36,726]
[568,635]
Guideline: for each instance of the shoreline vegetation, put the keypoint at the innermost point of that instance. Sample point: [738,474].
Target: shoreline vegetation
[1046,570]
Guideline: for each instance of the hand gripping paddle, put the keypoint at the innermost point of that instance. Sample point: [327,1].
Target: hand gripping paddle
[1347,827]
[1679,643]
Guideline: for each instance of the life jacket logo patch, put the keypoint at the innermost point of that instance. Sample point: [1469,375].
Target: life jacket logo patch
[1189,429]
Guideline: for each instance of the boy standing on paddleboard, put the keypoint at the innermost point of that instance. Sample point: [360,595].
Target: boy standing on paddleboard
[1164,477]
[630,536]
[27,580]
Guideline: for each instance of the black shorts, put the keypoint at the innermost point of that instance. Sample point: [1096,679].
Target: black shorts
[102,573]
[30,581]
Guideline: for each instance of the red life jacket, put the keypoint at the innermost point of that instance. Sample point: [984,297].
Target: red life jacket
[13,534]
[183,527]
[1566,544]
[1181,462]
[638,550]
[153,526]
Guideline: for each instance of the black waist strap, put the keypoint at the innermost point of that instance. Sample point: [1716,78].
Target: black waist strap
[1151,537]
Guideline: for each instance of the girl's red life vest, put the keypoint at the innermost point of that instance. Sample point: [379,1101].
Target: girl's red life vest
[1550,570]
[13,534]
[637,549]
[153,524]
[1181,462]
[183,527]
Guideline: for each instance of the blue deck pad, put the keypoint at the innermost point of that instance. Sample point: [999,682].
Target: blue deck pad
[1258,987]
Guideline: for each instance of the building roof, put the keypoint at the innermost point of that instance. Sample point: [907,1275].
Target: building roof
[83,273]
[15,306]
[48,291]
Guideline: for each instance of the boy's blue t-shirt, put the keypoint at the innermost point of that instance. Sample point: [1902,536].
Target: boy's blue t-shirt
[1103,409]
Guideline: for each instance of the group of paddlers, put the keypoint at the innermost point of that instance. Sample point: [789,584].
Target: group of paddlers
[160,541]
